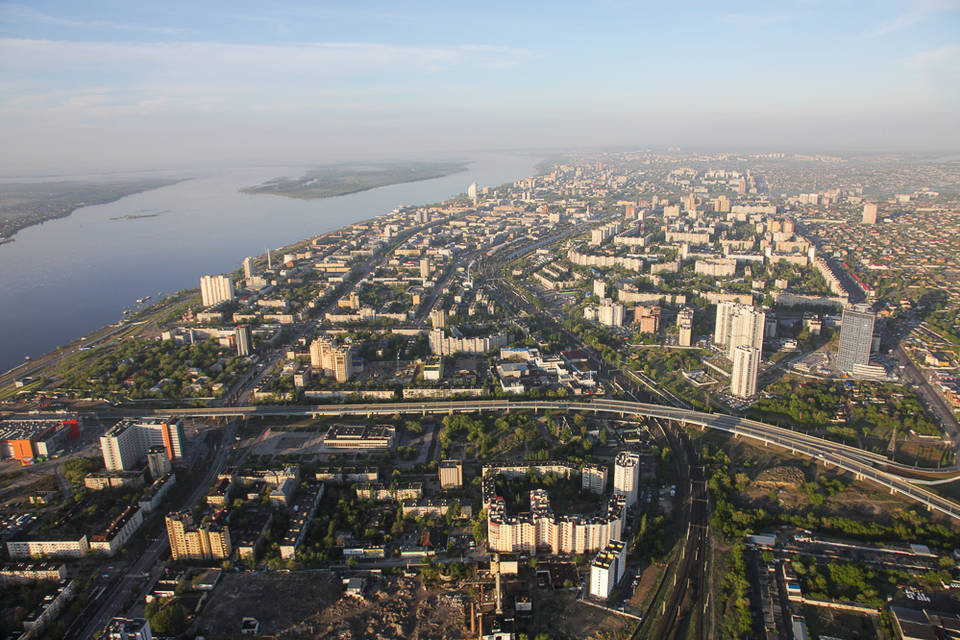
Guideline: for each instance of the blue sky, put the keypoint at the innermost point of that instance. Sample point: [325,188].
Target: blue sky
[121,83]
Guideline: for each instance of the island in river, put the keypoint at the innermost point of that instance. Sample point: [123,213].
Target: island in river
[340,180]
[23,204]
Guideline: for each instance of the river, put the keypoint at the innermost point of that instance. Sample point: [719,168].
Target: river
[67,277]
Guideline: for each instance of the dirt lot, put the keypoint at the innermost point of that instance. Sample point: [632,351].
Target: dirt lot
[312,605]
[559,614]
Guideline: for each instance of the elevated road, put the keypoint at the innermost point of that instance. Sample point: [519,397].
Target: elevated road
[863,464]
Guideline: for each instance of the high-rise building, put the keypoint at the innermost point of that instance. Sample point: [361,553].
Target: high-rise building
[738,324]
[247,267]
[425,268]
[690,203]
[626,476]
[126,443]
[451,474]
[438,319]
[648,318]
[600,289]
[856,337]
[685,326]
[610,314]
[128,629]
[607,569]
[721,204]
[593,478]
[244,340]
[215,289]
[472,191]
[158,462]
[335,360]
[870,213]
[746,367]
[210,540]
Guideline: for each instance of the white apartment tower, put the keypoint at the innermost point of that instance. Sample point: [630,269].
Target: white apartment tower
[610,314]
[738,324]
[247,267]
[607,569]
[746,367]
[626,476]
[129,441]
[593,478]
[600,289]
[215,289]
[685,327]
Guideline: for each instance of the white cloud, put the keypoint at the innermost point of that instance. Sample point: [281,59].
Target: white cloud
[918,12]
[18,13]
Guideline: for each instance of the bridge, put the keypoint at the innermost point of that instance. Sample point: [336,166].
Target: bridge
[864,465]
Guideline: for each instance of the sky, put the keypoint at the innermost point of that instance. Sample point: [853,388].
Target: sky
[128,85]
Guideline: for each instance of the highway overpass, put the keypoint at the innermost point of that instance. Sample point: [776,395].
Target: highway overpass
[863,464]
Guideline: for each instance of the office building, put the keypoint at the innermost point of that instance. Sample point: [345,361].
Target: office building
[209,540]
[244,339]
[216,289]
[341,436]
[685,327]
[870,213]
[856,337]
[593,478]
[127,629]
[127,443]
[626,476]
[247,267]
[746,367]
[451,474]
[607,569]
[738,324]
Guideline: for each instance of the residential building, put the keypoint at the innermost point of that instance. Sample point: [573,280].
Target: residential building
[626,476]
[738,324]
[333,359]
[127,443]
[870,213]
[216,289]
[746,367]
[593,478]
[685,327]
[610,314]
[607,569]
[856,337]
[244,340]
[208,540]
[158,462]
[647,318]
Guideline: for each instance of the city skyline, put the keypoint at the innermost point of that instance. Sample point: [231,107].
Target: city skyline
[135,87]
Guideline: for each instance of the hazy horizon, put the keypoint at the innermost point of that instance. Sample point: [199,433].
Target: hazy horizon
[98,87]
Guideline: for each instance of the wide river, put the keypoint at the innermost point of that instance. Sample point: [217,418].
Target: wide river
[67,277]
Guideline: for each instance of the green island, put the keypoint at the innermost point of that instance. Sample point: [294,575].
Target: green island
[24,204]
[329,182]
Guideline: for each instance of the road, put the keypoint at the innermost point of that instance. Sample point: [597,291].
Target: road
[864,465]
[113,600]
